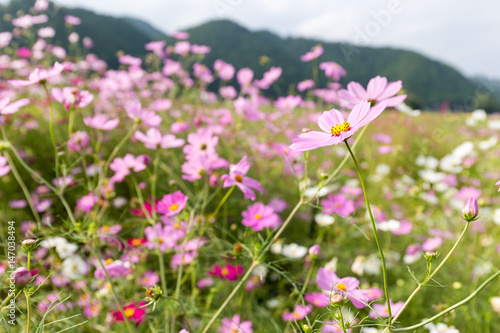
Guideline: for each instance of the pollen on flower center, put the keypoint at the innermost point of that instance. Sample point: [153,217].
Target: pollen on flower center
[225,271]
[341,286]
[129,312]
[238,178]
[258,216]
[339,128]
[174,207]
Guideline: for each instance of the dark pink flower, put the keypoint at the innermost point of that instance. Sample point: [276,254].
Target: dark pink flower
[227,272]
[338,204]
[134,313]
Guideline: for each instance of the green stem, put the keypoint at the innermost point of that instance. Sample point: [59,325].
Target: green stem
[451,308]
[24,188]
[429,277]
[374,227]
[51,129]
[28,302]
[115,295]
[71,121]
[221,203]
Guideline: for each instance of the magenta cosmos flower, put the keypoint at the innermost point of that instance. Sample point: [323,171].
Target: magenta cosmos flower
[237,177]
[228,272]
[378,90]
[235,325]
[336,128]
[381,310]
[329,281]
[134,313]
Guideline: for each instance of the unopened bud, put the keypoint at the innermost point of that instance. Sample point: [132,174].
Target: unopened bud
[29,244]
[430,256]
[337,300]
[153,293]
[314,251]
[237,249]
[306,328]
[470,210]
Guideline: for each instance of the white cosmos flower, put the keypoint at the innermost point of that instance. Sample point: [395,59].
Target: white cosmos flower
[294,251]
[431,176]
[496,216]
[74,267]
[324,219]
[495,304]
[65,249]
[332,264]
[389,225]
[441,328]
[51,242]
[494,124]
[488,144]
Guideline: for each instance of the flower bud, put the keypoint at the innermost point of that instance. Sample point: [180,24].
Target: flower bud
[29,244]
[153,293]
[470,210]
[430,256]
[306,328]
[337,300]
[314,251]
[21,276]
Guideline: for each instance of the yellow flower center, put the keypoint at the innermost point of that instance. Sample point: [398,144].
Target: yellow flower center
[108,261]
[225,271]
[296,315]
[177,226]
[339,128]
[341,286]
[129,312]
[136,242]
[105,228]
[174,207]
[258,216]
[238,178]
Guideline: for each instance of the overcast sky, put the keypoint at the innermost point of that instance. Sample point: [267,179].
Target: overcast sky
[462,33]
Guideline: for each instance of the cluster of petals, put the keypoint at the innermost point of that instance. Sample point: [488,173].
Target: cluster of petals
[378,90]
[237,176]
[259,216]
[122,166]
[227,272]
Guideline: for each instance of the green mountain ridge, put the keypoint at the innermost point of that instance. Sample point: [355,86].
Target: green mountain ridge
[427,82]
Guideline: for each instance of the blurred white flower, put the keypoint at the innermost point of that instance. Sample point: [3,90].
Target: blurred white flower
[74,267]
[372,265]
[476,116]
[357,265]
[496,216]
[495,304]
[324,219]
[277,247]
[494,124]
[65,249]
[389,225]
[431,176]
[488,144]
[441,328]
[294,251]
[332,264]
[409,259]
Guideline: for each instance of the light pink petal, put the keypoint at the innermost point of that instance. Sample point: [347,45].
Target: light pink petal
[357,90]
[396,100]
[358,113]
[390,90]
[376,86]
[374,113]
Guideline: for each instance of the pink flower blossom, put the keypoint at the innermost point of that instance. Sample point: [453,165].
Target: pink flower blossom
[122,166]
[136,112]
[39,76]
[149,279]
[182,48]
[71,96]
[381,310]
[153,138]
[87,202]
[72,20]
[78,141]
[115,269]
[172,204]
[200,49]
[101,122]
[318,299]
[338,204]
[4,166]
[228,92]
[134,313]
[163,237]
[432,244]
[224,70]
[315,52]
[329,281]
[378,90]
[235,325]
[180,35]
[244,76]
[6,108]
[237,176]
[259,216]
[333,70]
[305,85]
[335,128]
[92,311]
[227,272]
[300,312]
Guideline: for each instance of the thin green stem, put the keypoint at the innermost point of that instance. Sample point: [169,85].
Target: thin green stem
[430,275]
[51,129]
[374,227]
[113,291]
[28,301]
[451,308]
[221,203]
[24,188]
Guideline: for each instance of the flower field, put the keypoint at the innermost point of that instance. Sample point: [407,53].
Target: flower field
[171,195]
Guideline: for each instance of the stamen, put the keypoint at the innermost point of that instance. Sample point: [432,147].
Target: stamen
[339,128]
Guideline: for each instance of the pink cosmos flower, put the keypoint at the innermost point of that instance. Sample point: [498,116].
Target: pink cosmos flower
[72,20]
[378,90]
[328,281]
[224,70]
[287,103]
[315,52]
[6,108]
[92,311]
[180,35]
[333,70]
[466,193]
[381,311]
[149,279]
[39,76]
[122,166]
[205,283]
[201,142]
[235,325]
[244,76]
[87,202]
[237,177]
[202,72]
[172,204]
[136,112]
[71,96]
[318,299]
[182,259]
[156,47]
[182,48]
[335,128]
[432,244]
[259,216]
[4,166]
[163,236]
[362,297]
[134,313]
[498,184]
[200,49]
[338,204]
[305,85]
[300,312]
[153,138]
[269,77]
[228,92]
[115,269]
[198,165]
[101,122]
[78,141]
[227,272]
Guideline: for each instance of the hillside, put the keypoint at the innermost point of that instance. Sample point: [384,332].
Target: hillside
[428,82]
